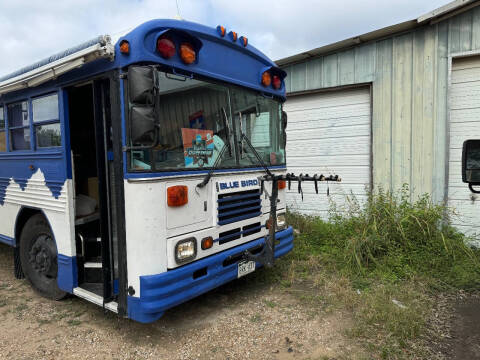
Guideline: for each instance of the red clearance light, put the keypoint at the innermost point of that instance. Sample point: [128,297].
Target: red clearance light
[166,47]
[177,195]
[266,79]
[282,184]
[276,82]
[187,54]
[124,47]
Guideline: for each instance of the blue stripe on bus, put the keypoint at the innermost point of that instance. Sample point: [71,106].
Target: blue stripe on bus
[7,240]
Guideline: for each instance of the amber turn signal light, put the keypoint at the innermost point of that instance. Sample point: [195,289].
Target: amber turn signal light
[177,195]
[187,54]
[266,79]
[125,47]
[282,184]
[207,243]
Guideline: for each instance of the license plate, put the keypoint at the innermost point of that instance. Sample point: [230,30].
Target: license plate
[246,267]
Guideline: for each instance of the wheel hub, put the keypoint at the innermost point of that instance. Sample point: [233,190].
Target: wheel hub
[41,255]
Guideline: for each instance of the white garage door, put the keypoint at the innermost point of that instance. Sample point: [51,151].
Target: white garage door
[464,125]
[329,133]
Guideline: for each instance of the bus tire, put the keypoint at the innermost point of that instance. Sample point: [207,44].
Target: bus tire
[38,256]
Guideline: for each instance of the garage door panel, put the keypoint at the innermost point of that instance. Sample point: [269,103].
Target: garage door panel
[327,100]
[301,161]
[465,75]
[329,133]
[331,146]
[465,115]
[324,133]
[464,125]
[336,113]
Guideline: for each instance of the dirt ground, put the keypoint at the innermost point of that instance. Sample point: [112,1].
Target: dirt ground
[242,320]
[465,329]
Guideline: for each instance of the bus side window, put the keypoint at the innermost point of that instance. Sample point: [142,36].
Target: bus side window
[46,121]
[3,137]
[19,126]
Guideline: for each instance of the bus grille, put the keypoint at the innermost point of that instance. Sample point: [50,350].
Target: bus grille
[238,206]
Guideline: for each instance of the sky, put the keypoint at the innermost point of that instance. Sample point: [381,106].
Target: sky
[35,29]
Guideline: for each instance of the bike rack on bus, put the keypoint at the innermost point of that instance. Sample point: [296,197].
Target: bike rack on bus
[267,256]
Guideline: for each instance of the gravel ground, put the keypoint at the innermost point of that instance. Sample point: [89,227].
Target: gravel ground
[241,320]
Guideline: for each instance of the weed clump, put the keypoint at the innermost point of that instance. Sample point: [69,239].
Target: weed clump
[392,237]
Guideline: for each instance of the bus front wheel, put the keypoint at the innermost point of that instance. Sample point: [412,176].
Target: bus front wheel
[38,256]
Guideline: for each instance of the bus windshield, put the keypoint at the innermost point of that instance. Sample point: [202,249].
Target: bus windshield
[198,119]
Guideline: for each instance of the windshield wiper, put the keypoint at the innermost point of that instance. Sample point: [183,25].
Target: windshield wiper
[207,177]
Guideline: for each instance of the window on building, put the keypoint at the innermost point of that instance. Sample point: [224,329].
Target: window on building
[19,126]
[3,138]
[46,121]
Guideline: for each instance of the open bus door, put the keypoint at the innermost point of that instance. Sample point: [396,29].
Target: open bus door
[92,167]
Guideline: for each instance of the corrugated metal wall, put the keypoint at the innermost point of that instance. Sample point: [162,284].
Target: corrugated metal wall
[409,72]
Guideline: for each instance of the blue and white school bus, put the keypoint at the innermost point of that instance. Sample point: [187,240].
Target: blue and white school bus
[130,166]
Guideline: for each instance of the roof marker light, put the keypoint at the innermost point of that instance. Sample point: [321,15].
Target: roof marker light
[166,47]
[233,35]
[244,41]
[125,47]
[221,30]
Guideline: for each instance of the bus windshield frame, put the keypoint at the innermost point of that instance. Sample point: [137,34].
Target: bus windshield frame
[198,117]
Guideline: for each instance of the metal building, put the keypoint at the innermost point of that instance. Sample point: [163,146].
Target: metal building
[390,107]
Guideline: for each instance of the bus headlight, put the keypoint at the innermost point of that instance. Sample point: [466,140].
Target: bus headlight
[281,222]
[185,250]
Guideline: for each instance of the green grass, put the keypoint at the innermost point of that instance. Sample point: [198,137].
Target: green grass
[369,255]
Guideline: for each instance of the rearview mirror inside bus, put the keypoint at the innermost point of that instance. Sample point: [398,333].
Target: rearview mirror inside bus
[471,162]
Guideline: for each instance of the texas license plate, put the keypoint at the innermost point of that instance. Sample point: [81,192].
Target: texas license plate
[245,267]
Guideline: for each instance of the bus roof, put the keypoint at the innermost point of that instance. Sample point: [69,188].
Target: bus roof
[232,61]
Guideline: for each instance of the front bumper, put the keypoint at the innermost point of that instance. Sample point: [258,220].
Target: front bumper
[163,291]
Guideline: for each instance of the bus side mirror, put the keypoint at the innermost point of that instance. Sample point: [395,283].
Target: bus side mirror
[141,84]
[142,91]
[471,162]
[143,127]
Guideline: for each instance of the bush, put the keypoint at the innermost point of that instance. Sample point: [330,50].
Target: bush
[390,236]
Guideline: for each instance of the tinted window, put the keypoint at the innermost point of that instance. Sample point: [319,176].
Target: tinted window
[18,114]
[20,139]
